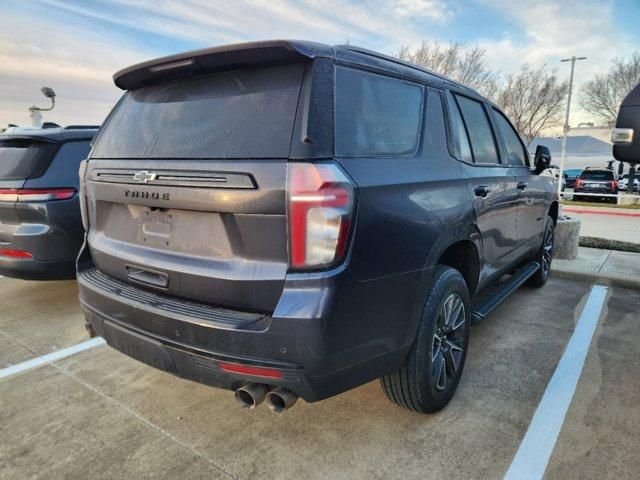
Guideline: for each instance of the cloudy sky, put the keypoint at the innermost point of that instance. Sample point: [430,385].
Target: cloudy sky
[75,46]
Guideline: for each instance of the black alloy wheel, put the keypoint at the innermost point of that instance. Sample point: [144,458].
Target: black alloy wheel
[449,341]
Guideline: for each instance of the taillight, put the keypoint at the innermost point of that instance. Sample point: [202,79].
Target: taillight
[83,199]
[15,254]
[321,200]
[35,194]
[614,184]
[579,183]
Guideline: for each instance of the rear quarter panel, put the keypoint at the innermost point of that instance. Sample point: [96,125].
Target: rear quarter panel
[410,209]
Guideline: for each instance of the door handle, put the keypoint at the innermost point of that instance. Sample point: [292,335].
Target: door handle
[522,185]
[481,191]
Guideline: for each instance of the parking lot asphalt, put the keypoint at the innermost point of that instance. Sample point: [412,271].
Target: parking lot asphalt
[99,414]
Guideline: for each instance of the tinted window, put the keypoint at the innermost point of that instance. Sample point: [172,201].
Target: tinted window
[516,153]
[461,146]
[20,159]
[597,175]
[240,114]
[475,117]
[376,115]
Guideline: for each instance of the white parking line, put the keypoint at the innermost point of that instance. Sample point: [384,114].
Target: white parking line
[538,443]
[51,357]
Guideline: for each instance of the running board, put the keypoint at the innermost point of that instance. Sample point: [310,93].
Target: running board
[487,303]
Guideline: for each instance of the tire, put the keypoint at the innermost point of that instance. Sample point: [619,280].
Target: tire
[544,256]
[432,370]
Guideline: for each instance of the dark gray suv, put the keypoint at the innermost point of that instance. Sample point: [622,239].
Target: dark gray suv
[287,219]
[40,228]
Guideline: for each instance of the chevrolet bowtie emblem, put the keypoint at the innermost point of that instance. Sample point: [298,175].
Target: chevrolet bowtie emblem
[144,177]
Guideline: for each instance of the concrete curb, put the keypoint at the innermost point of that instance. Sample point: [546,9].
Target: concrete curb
[609,244]
[610,280]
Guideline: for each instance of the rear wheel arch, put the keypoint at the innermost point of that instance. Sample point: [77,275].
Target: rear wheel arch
[453,247]
[464,257]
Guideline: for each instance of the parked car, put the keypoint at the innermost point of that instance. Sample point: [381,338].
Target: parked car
[596,181]
[40,227]
[623,183]
[287,219]
[554,170]
[570,176]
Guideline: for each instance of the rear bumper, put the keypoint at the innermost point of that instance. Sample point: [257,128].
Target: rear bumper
[32,269]
[50,231]
[607,191]
[191,340]
[594,192]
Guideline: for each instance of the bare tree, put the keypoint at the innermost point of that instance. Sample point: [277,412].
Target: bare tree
[533,99]
[603,94]
[468,67]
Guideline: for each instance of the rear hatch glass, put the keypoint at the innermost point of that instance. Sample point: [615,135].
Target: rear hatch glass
[237,114]
[601,176]
[24,158]
[186,187]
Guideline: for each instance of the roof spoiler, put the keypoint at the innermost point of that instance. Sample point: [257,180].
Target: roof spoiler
[218,59]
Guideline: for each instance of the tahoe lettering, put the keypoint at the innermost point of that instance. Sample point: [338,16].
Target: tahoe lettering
[147,195]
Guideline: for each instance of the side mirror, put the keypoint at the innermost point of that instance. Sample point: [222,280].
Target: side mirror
[626,136]
[542,159]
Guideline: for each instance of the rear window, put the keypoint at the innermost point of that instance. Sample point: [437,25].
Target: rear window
[240,114]
[597,175]
[20,159]
[475,117]
[516,153]
[376,115]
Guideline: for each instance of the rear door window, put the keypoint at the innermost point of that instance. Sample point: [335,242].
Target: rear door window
[24,158]
[483,144]
[516,153]
[247,113]
[461,146]
[376,115]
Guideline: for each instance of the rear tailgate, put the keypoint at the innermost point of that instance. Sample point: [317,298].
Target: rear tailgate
[186,187]
[206,231]
[9,220]
[20,158]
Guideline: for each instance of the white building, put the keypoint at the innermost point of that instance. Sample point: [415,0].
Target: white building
[582,150]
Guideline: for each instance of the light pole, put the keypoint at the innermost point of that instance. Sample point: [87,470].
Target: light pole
[563,154]
[34,112]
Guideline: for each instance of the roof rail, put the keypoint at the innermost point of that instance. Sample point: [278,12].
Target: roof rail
[396,60]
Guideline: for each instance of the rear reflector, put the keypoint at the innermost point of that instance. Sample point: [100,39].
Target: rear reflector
[35,194]
[252,371]
[15,254]
[321,200]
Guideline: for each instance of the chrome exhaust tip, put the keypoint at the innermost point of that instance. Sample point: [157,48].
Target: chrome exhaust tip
[280,399]
[251,395]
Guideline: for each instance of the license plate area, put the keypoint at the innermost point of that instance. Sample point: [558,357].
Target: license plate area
[194,233]
[155,228]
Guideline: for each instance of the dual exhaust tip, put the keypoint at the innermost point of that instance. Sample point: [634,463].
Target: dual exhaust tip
[253,394]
